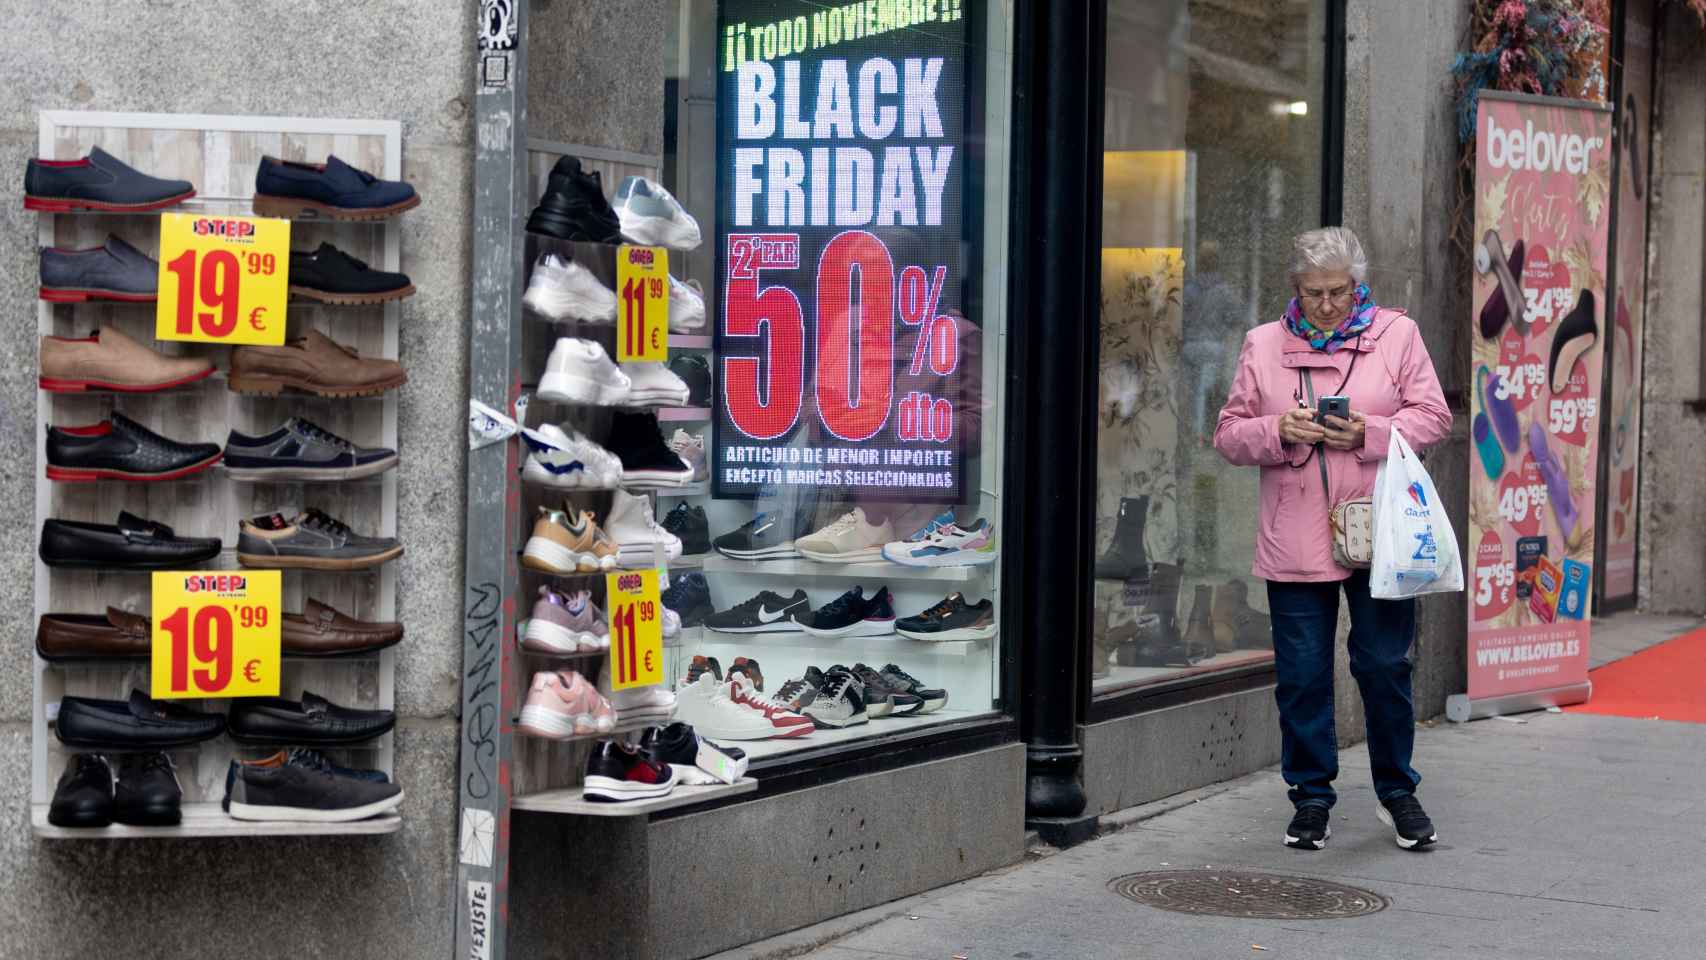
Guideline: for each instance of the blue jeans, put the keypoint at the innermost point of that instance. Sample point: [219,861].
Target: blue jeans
[1305,620]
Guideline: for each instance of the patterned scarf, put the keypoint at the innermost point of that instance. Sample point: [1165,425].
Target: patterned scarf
[1356,321]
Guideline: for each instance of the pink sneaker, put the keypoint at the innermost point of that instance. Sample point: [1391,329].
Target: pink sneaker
[565,624]
[561,704]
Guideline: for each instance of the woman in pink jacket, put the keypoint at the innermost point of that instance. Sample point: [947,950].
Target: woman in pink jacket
[1332,340]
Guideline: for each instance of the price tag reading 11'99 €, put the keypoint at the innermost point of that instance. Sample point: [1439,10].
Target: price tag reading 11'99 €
[636,628]
[642,304]
[223,279]
[216,634]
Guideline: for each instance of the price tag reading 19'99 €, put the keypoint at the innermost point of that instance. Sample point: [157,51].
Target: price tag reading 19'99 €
[216,634]
[642,303]
[636,628]
[223,279]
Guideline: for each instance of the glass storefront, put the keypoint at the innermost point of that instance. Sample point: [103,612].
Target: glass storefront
[1212,165]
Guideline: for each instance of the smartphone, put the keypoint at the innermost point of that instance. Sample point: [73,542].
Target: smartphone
[1332,407]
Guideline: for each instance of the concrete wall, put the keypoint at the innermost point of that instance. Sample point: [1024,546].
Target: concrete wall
[1672,561]
[1137,759]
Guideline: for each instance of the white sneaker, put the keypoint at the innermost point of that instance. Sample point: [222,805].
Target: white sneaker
[563,290]
[705,704]
[651,705]
[651,216]
[671,624]
[686,305]
[639,538]
[851,537]
[786,724]
[654,384]
[579,371]
[690,448]
[568,461]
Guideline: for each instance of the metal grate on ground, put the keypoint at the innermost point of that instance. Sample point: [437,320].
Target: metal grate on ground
[1241,893]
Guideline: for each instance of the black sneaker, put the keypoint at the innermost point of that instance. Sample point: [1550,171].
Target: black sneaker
[646,459]
[695,371]
[934,698]
[574,207]
[302,450]
[148,793]
[330,275]
[688,522]
[951,619]
[840,700]
[1409,822]
[690,597]
[84,796]
[767,536]
[885,696]
[766,612]
[289,786]
[1309,829]
[750,669]
[854,615]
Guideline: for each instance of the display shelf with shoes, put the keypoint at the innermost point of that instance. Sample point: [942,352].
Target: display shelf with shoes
[893,646]
[572,801]
[863,570]
[100,362]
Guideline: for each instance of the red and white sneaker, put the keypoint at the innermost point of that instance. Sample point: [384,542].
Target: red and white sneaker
[617,772]
[787,723]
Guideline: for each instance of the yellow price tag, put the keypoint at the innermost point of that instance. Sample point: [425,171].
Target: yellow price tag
[222,279]
[636,628]
[216,633]
[642,303]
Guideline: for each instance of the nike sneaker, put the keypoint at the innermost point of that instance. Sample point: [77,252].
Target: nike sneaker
[853,615]
[564,290]
[651,216]
[705,704]
[947,546]
[767,536]
[934,698]
[767,612]
[787,723]
[950,619]
[850,538]
[840,702]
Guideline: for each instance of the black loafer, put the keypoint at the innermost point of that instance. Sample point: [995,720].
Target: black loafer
[316,721]
[333,276]
[131,544]
[84,797]
[139,723]
[122,449]
[148,793]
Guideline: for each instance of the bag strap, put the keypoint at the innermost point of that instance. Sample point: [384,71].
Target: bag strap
[1306,376]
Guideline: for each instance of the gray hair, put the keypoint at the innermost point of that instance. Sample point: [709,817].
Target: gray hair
[1329,248]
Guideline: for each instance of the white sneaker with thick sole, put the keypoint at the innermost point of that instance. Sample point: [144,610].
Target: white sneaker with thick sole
[705,704]
[691,449]
[579,371]
[564,290]
[650,215]
[567,461]
[850,538]
[686,306]
[654,384]
[640,540]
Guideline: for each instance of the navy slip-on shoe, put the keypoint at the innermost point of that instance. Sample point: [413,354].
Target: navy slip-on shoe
[115,271]
[99,181]
[285,188]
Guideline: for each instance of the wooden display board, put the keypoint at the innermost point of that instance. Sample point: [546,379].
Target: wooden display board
[220,154]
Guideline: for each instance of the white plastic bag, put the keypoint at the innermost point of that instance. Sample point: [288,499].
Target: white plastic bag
[1415,549]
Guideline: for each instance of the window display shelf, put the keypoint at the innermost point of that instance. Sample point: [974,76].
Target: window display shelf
[206,819]
[689,341]
[700,489]
[571,802]
[761,749]
[683,414]
[622,726]
[891,647]
[865,570]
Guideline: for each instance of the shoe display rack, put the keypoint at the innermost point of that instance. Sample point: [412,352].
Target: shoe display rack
[219,154]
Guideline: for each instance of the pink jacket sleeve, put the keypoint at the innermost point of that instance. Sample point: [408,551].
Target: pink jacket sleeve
[1423,416]
[1245,436]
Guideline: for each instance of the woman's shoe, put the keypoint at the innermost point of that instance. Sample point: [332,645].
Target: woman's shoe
[1576,335]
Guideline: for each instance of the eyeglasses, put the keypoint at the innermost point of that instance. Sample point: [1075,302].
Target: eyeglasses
[1318,297]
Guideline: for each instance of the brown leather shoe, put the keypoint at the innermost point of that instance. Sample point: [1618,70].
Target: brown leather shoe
[109,360]
[320,631]
[314,363]
[86,636]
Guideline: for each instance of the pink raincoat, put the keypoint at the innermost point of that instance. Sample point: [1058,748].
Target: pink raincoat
[1393,385]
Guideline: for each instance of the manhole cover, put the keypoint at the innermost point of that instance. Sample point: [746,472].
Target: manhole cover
[1239,893]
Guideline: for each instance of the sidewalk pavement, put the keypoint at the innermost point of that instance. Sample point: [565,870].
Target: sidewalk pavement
[1562,836]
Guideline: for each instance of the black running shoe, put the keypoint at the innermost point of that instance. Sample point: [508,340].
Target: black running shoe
[934,698]
[647,461]
[797,694]
[330,275]
[574,207]
[702,665]
[768,536]
[694,371]
[1409,822]
[767,612]
[951,619]
[688,522]
[885,696]
[854,615]
[690,597]
[1309,829]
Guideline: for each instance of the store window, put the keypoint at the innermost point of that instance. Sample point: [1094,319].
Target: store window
[843,549]
[1213,162]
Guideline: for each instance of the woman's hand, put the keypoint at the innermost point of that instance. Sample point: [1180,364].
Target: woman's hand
[1298,426]
[1345,434]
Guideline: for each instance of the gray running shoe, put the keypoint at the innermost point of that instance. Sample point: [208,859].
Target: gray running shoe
[301,450]
[115,271]
[311,541]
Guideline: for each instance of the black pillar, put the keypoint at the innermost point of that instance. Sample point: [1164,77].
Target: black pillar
[1056,221]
